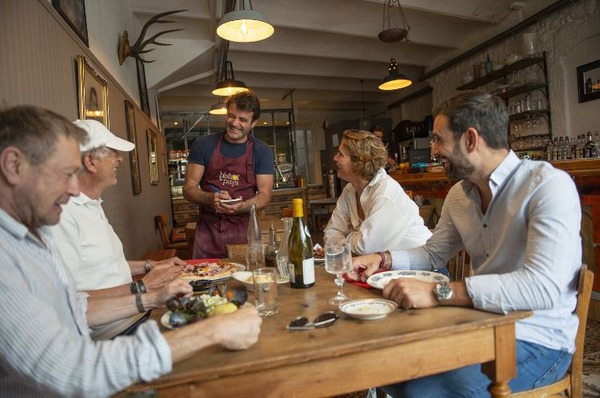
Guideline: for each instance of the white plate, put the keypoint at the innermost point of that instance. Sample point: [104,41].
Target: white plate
[380,280]
[246,276]
[368,309]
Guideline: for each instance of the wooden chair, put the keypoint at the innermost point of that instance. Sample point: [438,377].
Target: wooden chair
[571,383]
[181,245]
[460,266]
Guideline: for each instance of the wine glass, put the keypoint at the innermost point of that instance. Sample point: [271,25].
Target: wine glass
[338,261]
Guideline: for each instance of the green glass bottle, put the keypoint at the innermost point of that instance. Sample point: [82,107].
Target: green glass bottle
[301,262]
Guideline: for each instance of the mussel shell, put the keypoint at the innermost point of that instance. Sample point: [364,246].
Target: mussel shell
[179,319]
[173,304]
[239,296]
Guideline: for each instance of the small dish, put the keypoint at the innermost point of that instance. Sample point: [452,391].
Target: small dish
[368,309]
[246,278]
[381,279]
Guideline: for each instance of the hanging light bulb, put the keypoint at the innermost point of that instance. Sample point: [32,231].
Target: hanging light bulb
[244,25]
[218,109]
[394,80]
[229,86]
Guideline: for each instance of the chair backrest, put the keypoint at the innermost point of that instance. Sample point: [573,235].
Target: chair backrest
[584,290]
[573,380]
[161,224]
[460,266]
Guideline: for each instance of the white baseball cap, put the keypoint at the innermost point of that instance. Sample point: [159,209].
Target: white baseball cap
[100,136]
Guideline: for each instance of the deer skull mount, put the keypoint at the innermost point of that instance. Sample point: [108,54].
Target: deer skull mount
[137,49]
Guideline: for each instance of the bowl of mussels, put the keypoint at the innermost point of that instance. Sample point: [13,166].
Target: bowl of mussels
[185,310]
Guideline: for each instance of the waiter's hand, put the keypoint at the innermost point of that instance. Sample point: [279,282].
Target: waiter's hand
[217,197]
[231,208]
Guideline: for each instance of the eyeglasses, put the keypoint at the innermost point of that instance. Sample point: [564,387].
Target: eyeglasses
[321,321]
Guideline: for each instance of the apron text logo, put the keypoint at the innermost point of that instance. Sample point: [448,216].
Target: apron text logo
[229,179]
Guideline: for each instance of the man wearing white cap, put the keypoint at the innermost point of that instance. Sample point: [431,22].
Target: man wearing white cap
[86,241]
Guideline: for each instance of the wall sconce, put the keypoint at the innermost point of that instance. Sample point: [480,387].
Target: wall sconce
[244,25]
[394,80]
[229,85]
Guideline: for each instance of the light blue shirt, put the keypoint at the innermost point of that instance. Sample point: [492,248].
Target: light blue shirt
[45,347]
[525,250]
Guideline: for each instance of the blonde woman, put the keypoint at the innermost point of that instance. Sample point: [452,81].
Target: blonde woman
[373,212]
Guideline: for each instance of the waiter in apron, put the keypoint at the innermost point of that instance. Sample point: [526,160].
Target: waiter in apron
[228,165]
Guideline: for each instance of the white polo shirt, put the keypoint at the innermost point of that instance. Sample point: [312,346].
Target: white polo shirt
[89,246]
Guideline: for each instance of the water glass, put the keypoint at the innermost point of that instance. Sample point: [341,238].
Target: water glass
[255,257]
[265,291]
[338,261]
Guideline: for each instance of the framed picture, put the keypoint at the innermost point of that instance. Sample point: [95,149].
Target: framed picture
[153,156]
[588,81]
[134,161]
[92,93]
[141,72]
[73,11]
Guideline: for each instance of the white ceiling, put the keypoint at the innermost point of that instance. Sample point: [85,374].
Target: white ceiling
[321,48]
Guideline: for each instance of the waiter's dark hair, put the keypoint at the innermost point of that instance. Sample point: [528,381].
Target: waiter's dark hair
[481,110]
[246,101]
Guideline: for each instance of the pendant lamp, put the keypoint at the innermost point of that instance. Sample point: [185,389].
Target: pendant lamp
[218,109]
[229,85]
[244,25]
[393,30]
[394,80]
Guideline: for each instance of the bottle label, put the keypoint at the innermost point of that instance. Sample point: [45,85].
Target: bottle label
[308,270]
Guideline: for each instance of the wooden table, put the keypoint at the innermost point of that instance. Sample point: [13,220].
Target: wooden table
[350,355]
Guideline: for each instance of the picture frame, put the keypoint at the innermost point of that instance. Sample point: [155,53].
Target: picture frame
[588,81]
[73,12]
[153,156]
[143,88]
[92,93]
[134,162]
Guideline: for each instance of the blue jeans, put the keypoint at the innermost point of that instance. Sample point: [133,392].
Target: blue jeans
[537,366]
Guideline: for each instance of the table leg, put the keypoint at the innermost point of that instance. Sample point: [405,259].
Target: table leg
[504,367]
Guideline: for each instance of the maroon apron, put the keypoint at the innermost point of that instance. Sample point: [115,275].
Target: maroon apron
[236,176]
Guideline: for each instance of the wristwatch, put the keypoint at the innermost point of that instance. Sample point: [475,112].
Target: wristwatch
[443,292]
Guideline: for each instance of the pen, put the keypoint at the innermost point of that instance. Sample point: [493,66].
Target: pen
[214,188]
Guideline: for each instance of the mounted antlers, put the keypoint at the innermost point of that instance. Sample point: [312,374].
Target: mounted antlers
[135,50]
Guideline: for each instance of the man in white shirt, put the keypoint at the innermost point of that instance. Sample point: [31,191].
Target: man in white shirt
[519,221]
[86,241]
[45,347]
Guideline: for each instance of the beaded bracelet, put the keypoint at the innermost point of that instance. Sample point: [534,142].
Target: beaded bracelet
[382,262]
[133,287]
[138,302]
[141,286]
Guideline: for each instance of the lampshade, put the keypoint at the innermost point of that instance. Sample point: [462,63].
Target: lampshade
[394,80]
[229,85]
[393,30]
[244,25]
[218,109]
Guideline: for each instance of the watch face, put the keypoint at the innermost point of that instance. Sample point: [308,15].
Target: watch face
[443,291]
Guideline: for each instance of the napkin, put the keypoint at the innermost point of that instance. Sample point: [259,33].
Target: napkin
[361,283]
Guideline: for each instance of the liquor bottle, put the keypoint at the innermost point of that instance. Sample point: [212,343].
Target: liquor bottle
[549,150]
[254,251]
[580,144]
[301,262]
[597,142]
[272,248]
[561,149]
[590,150]
[555,149]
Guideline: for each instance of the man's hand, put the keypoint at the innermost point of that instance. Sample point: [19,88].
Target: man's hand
[163,272]
[178,287]
[236,331]
[411,293]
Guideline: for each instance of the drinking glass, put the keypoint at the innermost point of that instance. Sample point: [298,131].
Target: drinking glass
[255,257]
[338,261]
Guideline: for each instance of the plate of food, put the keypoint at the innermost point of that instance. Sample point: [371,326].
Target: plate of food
[368,309]
[381,279]
[210,269]
[246,278]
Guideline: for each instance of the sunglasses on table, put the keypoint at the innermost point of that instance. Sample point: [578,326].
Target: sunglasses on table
[321,321]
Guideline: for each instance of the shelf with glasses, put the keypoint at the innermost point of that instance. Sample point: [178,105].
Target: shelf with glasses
[527,98]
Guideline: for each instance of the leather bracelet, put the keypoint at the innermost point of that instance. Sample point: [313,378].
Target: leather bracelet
[148,265]
[382,262]
[138,303]
[133,287]
[141,286]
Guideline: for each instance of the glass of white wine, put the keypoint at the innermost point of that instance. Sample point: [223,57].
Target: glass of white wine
[338,261]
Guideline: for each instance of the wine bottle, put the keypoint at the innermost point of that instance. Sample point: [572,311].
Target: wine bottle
[300,251]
